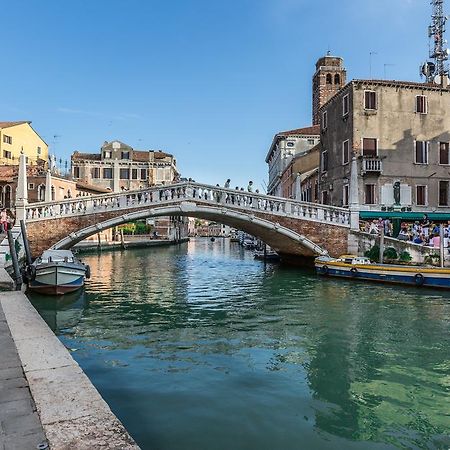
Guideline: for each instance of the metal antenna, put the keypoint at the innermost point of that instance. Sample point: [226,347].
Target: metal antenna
[438,49]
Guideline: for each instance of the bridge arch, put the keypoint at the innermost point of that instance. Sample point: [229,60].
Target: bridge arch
[282,239]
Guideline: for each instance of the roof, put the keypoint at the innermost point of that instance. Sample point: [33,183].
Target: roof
[13,124]
[9,172]
[313,130]
[83,156]
[141,156]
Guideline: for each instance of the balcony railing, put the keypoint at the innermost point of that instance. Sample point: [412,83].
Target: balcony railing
[372,165]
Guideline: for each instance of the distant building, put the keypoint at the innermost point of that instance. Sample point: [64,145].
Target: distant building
[285,146]
[20,136]
[400,134]
[118,166]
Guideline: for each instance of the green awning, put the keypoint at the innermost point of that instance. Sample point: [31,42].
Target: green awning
[408,216]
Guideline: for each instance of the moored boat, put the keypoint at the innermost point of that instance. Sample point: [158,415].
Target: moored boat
[269,255]
[361,268]
[56,272]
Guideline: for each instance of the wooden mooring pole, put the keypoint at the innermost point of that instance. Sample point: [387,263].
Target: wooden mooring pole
[15,261]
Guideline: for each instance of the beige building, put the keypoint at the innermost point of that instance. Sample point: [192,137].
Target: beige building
[16,137]
[400,134]
[118,166]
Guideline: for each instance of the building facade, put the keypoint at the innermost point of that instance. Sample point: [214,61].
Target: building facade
[16,137]
[400,135]
[285,146]
[118,166]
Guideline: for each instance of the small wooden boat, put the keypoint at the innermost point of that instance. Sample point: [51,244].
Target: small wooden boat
[269,255]
[361,268]
[56,272]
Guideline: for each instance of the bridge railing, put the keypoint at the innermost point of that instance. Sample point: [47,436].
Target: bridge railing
[188,191]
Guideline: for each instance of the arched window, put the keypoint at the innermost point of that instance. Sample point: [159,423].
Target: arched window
[41,193]
[7,197]
[329,79]
[337,79]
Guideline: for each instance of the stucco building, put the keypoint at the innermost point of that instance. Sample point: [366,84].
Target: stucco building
[285,146]
[16,137]
[118,166]
[400,134]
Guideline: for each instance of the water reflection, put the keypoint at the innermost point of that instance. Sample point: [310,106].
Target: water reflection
[211,349]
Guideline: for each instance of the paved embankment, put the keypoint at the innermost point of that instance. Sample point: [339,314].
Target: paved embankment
[20,426]
[73,414]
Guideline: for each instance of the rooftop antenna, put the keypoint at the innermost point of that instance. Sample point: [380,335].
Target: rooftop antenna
[437,70]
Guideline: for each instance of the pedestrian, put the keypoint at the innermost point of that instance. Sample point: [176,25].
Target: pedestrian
[227,184]
[4,220]
[250,186]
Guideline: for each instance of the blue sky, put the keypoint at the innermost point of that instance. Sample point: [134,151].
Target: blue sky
[210,81]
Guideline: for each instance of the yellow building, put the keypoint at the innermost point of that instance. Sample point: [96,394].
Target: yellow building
[15,136]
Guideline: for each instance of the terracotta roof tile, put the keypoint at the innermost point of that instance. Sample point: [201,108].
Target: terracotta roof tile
[88,156]
[311,131]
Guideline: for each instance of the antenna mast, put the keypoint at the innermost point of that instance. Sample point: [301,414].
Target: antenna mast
[437,70]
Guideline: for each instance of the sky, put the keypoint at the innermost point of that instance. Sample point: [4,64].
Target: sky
[210,81]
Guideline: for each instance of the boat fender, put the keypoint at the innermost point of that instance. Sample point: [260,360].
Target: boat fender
[419,279]
[325,270]
[88,272]
[31,272]
[353,271]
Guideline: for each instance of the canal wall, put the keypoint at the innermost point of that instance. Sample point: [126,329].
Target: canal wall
[73,414]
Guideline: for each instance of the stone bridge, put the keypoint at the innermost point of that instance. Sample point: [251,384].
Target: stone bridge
[292,228]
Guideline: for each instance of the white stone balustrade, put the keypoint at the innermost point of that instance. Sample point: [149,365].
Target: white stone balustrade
[188,191]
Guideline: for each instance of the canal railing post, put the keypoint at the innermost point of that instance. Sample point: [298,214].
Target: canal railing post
[15,261]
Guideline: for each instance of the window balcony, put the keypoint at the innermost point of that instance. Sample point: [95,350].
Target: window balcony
[372,165]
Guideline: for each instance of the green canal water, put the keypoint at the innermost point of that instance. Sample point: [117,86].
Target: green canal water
[200,347]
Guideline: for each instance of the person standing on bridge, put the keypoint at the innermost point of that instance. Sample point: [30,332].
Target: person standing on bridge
[250,189]
[4,221]
[227,184]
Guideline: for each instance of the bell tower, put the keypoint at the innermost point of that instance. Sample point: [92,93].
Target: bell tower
[330,76]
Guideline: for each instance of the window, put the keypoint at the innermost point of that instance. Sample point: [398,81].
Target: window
[124,174]
[7,154]
[337,79]
[39,150]
[76,172]
[107,173]
[311,141]
[324,161]
[143,174]
[95,172]
[421,152]
[7,139]
[345,152]
[106,155]
[134,174]
[421,195]
[125,155]
[370,147]
[345,105]
[290,144]
[324,120]
[370,100]
[443,193]
[30,186]
[443,153]
[329,78]
[345,194]
[421,104]
[369,191]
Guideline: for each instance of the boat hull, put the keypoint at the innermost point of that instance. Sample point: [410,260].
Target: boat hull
[409,275]
[57,278]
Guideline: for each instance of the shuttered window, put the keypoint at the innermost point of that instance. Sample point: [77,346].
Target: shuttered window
[421,152]
[443,193]
[370,100]
[443,153]
[421,104]
[345,152]
[369,147]
[421,195]
[369,194]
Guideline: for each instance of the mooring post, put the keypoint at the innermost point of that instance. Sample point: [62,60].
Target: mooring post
[12,249]
[382,244]
[26,243]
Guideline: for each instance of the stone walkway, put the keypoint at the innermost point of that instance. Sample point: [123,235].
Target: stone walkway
[20,427]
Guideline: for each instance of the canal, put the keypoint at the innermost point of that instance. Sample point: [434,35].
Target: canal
[202,347]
